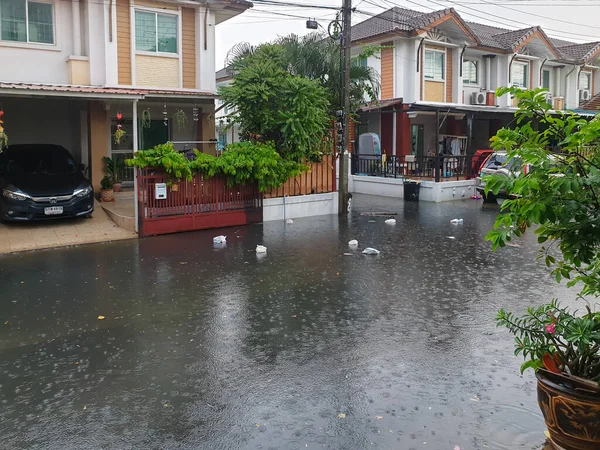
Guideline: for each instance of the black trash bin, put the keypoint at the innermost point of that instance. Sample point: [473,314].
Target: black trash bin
[411,190]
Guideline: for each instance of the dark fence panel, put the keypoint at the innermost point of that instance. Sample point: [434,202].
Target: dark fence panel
[436,168]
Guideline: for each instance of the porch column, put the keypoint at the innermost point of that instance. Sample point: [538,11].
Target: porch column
[135,149]
[76,27]
[404,135]
[394,137]
[439,160]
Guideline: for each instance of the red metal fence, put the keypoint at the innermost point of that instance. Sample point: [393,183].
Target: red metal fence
[194,205]
[318,179]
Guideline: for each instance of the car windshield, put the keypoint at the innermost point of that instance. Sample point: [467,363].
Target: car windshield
[38,159]
[500,160]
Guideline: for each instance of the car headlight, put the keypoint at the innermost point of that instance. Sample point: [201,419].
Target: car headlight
[83,192]
[14,195]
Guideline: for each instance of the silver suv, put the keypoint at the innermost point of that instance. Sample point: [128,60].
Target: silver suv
[499,164]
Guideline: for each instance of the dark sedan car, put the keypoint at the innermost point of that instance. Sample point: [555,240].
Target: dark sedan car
[42,181]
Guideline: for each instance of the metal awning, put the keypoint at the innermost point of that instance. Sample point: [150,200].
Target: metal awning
[97,92]
[380,104]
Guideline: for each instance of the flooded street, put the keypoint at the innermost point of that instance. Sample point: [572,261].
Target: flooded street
[204,348]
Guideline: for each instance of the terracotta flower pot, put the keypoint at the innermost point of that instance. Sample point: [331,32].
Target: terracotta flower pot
[117,187]
[571,409]
[106,195]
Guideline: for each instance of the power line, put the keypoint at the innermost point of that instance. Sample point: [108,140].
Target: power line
[489,19]
[503,20]
[534,15]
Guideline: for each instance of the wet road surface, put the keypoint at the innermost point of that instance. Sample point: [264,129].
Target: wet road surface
[204,348]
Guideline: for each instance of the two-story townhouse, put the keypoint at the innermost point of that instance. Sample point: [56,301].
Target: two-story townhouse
[438,76]
[75,70]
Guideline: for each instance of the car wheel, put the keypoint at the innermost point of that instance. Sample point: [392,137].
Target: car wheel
[489,198]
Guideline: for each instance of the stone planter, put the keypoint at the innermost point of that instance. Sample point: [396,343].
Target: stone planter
[571,409]
[106,195]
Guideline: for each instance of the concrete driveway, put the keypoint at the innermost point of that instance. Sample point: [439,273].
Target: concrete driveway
[17,237]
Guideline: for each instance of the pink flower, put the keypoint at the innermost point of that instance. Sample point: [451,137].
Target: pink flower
[550,328]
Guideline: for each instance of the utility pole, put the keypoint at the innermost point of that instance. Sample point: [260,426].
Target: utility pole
[345,147]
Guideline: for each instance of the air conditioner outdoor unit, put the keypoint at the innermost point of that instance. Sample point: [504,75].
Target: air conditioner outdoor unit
[549,98]
[585,95]
[478,98]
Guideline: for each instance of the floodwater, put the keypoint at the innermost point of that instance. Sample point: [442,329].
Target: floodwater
[307,347]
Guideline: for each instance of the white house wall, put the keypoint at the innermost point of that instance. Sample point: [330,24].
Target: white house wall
[24,62]
[205,66]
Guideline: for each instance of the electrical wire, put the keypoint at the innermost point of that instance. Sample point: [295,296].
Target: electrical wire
[495,19]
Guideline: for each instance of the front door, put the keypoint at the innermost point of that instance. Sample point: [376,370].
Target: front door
[155,134]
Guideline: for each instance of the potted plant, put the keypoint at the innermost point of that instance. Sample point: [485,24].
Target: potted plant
[562,347]
[560,195]
[113,167]
[106,193]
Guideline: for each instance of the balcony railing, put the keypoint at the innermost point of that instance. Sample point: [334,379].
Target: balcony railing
[435,168]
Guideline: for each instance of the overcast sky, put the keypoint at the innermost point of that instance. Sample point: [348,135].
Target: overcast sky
[572,20]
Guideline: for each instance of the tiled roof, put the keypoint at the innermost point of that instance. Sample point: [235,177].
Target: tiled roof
[579,52]
[223,73]
[513,38]
[395,19]
[100,91]
[486,33]
[406,20]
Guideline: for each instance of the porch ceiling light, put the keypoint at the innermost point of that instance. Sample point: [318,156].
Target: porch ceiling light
[13,195]
[412,115]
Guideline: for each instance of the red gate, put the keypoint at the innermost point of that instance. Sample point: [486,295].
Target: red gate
[194,205]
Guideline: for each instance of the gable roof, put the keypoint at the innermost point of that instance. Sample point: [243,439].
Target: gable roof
[580,52]
[407,21]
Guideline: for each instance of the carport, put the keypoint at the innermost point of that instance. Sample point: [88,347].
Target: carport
[83,119]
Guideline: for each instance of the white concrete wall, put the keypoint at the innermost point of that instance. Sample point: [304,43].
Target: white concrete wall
[205,59]
[406,78]
[281,208]
[430,191]
[40,63]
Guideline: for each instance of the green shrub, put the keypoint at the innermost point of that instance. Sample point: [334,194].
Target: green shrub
[241,163]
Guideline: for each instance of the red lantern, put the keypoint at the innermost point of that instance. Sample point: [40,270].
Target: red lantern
[119,116]
[1,113]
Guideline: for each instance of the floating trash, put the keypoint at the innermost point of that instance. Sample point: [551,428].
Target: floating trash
[371,251]
[456,221]
[261,249]
[289,221]
[219,239]
[353,243]
[390,222]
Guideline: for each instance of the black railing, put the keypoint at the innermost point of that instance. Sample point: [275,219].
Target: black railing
[437,168]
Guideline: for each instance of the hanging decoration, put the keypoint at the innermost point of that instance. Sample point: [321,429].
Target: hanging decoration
[146,120]
[181,119]
[165,115]
[119,132]
[195,113]
[3,136]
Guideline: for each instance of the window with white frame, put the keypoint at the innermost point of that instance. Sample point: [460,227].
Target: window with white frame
[26,21]
[519,74]
[470,72]
[546,79]
[155,32]
[433,65]
[585,81]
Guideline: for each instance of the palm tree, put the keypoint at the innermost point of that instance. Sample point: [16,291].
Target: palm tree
[317,57]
